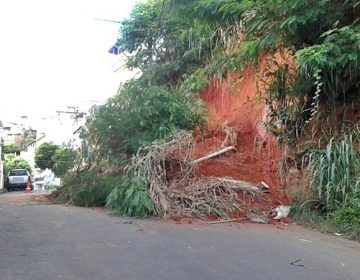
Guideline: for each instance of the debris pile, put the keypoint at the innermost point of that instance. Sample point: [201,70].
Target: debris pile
[169,168]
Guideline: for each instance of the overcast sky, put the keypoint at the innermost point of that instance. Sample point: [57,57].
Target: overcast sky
[53,53]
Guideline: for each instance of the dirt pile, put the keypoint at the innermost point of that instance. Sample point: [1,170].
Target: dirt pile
[235,103]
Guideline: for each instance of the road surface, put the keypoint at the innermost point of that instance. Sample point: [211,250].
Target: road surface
[40,241]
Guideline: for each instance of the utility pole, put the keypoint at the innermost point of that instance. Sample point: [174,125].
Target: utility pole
[73,111]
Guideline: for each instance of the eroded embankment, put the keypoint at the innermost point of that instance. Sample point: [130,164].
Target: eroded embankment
[235,103]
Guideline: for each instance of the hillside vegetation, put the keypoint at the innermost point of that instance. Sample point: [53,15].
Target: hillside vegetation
[307,56]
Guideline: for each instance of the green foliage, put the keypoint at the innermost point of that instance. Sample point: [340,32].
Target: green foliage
[349,214]
[337,60]
[12,162]
[180,36]
[44,155]
[291,23]
[86,189]
[154,35]
[137,115]
[64,160]
[234,8]
[9,149]
[130,198]
[324,36]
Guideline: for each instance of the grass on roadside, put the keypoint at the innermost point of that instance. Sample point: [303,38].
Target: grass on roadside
[310,214]
[332,201]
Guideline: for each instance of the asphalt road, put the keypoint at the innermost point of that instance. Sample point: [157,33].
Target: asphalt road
[41,241]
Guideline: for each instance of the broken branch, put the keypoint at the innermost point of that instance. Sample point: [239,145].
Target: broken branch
[237,184]
[223,221]
[214,154]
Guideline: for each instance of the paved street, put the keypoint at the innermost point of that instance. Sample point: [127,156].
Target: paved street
[41,241]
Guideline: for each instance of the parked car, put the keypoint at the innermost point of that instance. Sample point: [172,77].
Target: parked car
[17,179]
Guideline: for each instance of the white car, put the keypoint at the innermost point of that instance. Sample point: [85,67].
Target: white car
[17,179]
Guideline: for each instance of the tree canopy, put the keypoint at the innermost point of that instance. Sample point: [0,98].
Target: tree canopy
[64,160]
[44,155]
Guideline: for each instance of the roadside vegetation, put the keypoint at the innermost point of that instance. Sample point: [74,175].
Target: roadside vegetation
[333,202]
[12,162]
[308,58]
[9,149]
[59,158]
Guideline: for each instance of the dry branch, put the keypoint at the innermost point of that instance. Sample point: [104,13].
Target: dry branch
[242,185]
[222,221]
[214,154]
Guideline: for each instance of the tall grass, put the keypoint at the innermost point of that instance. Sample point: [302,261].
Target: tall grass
[333,203]
[334,172]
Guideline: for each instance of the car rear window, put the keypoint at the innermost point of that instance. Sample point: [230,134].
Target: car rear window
[18,173]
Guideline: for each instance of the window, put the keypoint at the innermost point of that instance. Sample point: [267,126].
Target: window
[22,172]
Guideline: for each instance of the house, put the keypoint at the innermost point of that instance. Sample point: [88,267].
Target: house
[18,136]
[22,139]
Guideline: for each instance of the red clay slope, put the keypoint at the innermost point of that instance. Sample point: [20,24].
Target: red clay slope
[257,157]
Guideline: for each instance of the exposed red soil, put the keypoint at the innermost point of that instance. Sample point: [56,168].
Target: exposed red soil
[257,157]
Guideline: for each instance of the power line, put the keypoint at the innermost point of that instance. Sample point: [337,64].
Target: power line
[107,20]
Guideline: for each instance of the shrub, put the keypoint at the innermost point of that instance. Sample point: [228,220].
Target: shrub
[130,198]
[86,189]
[124,194]
[349,213]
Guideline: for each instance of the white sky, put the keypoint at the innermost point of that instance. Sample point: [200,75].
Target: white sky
[54,54]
